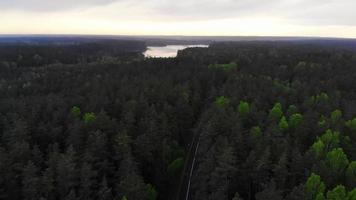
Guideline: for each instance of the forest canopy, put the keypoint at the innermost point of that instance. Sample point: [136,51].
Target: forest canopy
[268,120]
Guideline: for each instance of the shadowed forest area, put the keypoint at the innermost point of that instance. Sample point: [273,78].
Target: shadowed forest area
[275,121]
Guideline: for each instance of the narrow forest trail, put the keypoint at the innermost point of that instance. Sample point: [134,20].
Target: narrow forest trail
[185,184]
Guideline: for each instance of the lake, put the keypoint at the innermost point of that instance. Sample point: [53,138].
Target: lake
[168,51]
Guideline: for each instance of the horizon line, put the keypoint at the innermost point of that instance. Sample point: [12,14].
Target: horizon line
[166,35]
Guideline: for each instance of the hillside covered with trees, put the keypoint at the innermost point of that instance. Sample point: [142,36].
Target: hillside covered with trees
[272,120]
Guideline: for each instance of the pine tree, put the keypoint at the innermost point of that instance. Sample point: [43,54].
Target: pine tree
[337,160]
[276,112]
[66,173]
[105,193]
[351,124]
[270,192]
[335,116]
[283,124]
[131,183]
[31,188]
[244,109]
[297,193]
[314,186]
[351,175]
[295,120]
[338,193]
[87,182]
[281,171]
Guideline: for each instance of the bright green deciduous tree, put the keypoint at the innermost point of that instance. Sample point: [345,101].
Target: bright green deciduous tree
[331,139]
[75,111]
[283,124]
[222,101]
[337,160]
[351,124]
[335,116]
[89,117]
[295,120]
[314,186]
[276,112]
[318,148]
[244,108]
[338,193]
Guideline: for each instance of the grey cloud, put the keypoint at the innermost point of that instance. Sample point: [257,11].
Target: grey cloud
[327,12]
[304,12]
[49,5]
[211,9]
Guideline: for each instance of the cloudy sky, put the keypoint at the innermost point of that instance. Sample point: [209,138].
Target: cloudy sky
[335,18]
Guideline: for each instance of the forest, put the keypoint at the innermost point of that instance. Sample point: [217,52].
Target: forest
[235,121]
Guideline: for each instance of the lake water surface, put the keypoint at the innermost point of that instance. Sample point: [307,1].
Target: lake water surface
[168,51]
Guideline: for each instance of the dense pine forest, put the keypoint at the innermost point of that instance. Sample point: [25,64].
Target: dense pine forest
[98,121]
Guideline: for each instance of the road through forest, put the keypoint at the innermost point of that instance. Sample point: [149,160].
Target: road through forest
[185,185]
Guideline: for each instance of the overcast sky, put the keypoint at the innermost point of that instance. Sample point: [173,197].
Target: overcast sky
[334,18]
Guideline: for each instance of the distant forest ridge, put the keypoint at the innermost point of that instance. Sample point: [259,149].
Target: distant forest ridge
[39,50]
[168,40]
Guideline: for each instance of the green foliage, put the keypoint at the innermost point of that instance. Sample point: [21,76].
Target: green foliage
[314,186]
[352,194]
[226,67]
[124,198]
[318,148]
[75,111]
[175,166]
[337,160]
[244,108]
[283,124]
[222,101]
[351,124]
[320,196]
[89,117]
[256,131]
[331,139]
[295,120]
[154,106]
[151,192]
[322,122]
[335,116]
[321,98]
[338,193]
[351,172]
[292,109]
[276,112]
[284,87]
